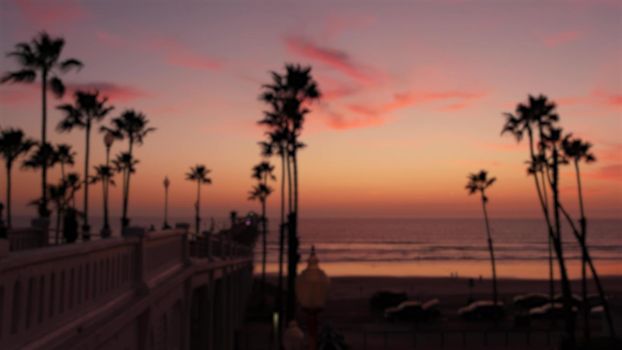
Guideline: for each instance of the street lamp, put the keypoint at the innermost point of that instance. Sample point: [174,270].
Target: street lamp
[312,292]
[166,183]
[108,140]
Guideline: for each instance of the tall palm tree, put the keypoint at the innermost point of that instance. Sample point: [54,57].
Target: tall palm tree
[200,174]
[133,126]
[41,56]
[88,108]
[262,172]
[577,151]
[276,144]
[538,119]
[479,182]
[64,156]
[13,143]
[288,96]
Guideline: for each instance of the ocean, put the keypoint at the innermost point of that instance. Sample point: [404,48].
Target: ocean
[430,247]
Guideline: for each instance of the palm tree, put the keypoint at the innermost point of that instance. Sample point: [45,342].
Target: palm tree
[41,56]
[479,182]
[538,119]
[262,172]
[58,196]
[577,151]
[133,126]
[104,174]
[87,109]
[13,143]
[200,174]
[73,183]
[288,97]
[65,156]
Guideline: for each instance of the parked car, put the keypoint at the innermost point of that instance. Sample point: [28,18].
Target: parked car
[549,311]
[413,311]
[382,300]
[482,310]
[531,300]
[575,299]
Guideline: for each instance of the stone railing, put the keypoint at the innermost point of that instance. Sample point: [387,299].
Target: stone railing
[216,247]
[27,238]
[44,289]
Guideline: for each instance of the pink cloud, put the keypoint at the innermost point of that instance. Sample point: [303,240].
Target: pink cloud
[115,92]
[333,58]
[50,13]
[561,38]
[338,121]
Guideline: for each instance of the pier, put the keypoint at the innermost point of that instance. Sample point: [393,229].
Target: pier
[156,290]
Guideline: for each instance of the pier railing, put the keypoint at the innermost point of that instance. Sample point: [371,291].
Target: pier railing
[43,289]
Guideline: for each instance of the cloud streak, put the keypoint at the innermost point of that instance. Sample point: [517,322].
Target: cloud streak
[334,58]
[561,38]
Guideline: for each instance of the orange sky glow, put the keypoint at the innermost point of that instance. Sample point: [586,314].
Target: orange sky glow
[413,96]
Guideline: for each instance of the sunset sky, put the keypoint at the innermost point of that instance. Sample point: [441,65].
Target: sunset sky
[414,93]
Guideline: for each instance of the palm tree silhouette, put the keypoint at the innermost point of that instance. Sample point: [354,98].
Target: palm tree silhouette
[577,151]
[133,126]
[200,174]
[288,97]
[64,156]
[262,172]
[479,182]
[41,56]
[104,174]
[538,119]
[58,196]
[13,143]
[88,108]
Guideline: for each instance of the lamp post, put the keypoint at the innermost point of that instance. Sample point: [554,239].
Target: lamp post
[312,292]
[108,140]
[166,183]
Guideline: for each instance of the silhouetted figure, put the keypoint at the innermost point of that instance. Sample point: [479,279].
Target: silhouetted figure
[233,216]
[41,56]
[70,225]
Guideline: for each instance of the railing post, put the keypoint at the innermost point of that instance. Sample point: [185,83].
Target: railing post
[141,283]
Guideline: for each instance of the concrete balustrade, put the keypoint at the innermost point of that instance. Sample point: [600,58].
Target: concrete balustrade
[130,292]
[27,238]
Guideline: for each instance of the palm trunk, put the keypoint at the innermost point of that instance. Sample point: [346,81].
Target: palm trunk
[279,296]
[43,212]
[583,238]
[264,246]
[85,227]
[9,165]
[550,242]
[491,250]
[566,290]
[125,222]
[292,252]
[198,206]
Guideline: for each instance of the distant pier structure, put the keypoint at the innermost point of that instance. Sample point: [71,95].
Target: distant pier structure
[145,290]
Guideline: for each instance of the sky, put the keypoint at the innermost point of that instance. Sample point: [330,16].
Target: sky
[413,98]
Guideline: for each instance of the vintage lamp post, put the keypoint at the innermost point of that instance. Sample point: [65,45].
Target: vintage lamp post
[312,292]
[108,140]
[166,183]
